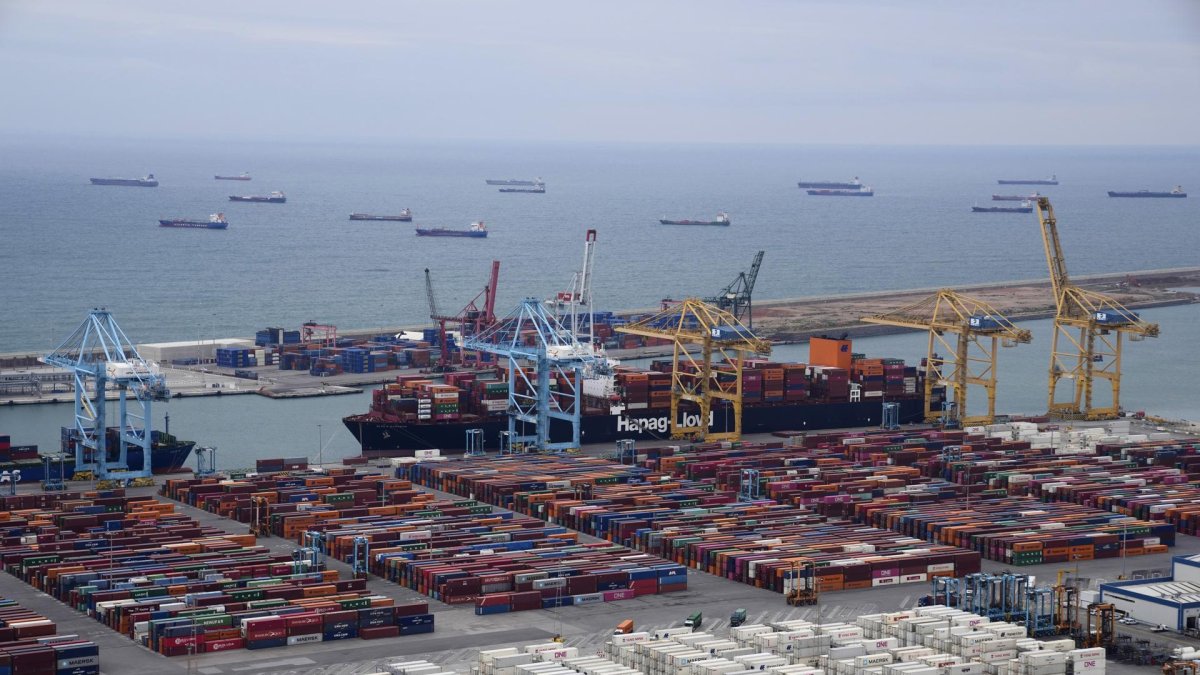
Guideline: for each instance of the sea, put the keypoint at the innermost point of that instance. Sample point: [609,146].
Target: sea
[67,246]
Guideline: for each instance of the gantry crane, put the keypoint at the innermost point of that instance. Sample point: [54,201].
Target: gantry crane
[716,331]
[570,304]
[977,329]
[99,353]
[471,319]
[737,296]
[531,336]
[1088,330]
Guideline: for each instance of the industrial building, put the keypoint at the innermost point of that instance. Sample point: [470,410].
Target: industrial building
[1173,602]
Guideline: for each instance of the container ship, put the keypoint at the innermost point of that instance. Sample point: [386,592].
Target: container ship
[273,198]
[404,216]
[477,231]
[1025,207]
[244,176]
[1176,193]
[861,192]
[831,185]
[1016,198]
[513,181]
[216,221]
[148,181]
[721,220]
[167,454]
[535,189]
[1052,180]
[416,413]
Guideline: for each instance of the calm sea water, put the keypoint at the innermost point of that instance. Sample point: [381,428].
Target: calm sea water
[66,246]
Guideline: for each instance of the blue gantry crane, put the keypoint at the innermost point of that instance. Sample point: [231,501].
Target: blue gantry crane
[99,354]
[530,336]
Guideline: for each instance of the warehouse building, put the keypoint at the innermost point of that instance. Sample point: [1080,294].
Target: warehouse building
[1173,602]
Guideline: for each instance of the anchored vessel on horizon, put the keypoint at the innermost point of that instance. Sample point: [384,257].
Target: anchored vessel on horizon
[215,222]
[404,216]
[273,198]
[1176,193]
[1052,180]
[721,220]
[477,231]
[148,181]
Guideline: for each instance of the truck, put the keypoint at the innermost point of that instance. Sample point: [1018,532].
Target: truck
[737,618]
[624,627]
[693,621]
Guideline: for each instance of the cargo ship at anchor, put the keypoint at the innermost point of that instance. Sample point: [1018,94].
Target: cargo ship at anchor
[861,192]
[244,176]
[513,181]
[831,185]
[1016,198]
[536,189]
[1025,207]
[404,216]
[1177,193]
[273,198]
[216,221]
[1052,180]
[722,220]
[167,454]
[477,231]
[417,413]
[148,181]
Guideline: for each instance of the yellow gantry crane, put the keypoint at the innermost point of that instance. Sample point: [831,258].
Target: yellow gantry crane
[977,330]
[1088,330]
[693,379]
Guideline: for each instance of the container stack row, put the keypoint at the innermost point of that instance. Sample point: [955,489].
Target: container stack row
[694,524]
[1023,530]
[29,645]
[968,643]
[160,578]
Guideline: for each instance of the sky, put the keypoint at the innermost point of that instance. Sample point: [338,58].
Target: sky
[1062,72]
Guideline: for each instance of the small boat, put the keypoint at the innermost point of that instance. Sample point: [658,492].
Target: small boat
[1052,180]
[148,181]
[831,185]
[722,220]
[215,222]
[273,198]
[1025,207]
[536,189]
[404,216]
[864,191]
[1176,193]
[513,181]
[244,176]
[477,231]
[1016,198]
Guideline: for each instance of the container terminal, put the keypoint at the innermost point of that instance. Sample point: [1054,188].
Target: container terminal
[942,540]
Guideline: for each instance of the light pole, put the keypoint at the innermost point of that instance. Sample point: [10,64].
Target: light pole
[1124,537]
[320,446]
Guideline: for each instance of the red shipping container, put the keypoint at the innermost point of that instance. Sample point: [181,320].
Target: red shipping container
[223,645]
[379,632]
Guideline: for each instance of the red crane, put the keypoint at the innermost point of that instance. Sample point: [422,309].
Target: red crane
[470,318]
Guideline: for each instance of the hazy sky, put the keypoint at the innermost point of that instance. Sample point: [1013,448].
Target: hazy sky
[804,71]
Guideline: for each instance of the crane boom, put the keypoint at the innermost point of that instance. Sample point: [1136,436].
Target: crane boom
[737,297]
[1055,259]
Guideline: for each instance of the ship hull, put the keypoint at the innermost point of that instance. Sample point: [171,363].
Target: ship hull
[451,233]
[397,439]
[842,193]
[528,191]
[493,181]
[1027,182]
[231,177]
[826,185]
[367,216]
[1014,198]
[125,182]
[1147,195]
[194,224]
[712,223]
[164,459]
[263,200]
[1001,209]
